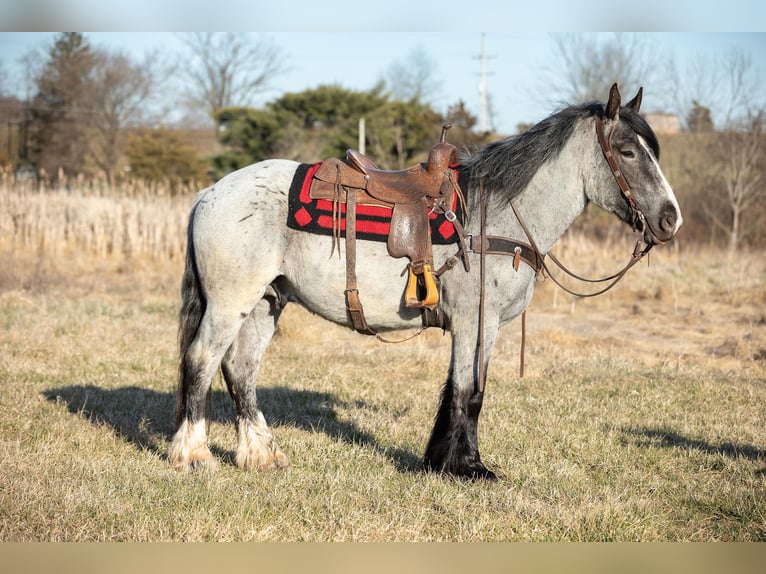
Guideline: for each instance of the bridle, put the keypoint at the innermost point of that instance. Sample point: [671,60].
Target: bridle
[637,219]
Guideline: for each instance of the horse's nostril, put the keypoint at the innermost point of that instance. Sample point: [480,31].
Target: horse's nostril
[668,219]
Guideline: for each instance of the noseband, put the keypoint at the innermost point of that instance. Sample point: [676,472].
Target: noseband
[637,219]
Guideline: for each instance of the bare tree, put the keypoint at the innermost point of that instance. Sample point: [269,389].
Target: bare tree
[731,188]
[739,153]
[120,91]
[414,78]
[724,83]
[228,69]
[588,64]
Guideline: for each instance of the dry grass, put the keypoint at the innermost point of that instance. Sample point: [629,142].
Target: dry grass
[93,221]
[641,416]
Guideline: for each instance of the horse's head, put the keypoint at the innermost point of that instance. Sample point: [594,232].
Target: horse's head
[636,189]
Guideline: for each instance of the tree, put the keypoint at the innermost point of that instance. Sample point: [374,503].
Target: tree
[120,90]
[463,133]
[699,119]
[588,64]
[59,110]
[249,135]
[85,99]
[227,69]
[727,183]
[10,122]
[726,84]
[415,78]
[158,156]
[309,125]
[399,132]
[324,122]
[739,155]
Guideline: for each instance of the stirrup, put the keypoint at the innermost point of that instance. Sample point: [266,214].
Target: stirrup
[431,298]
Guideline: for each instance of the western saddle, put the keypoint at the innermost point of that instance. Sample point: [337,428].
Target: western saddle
[411,194]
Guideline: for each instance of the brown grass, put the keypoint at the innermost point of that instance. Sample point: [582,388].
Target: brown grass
[641,416]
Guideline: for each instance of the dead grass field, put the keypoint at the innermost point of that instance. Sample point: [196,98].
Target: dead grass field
[641,416]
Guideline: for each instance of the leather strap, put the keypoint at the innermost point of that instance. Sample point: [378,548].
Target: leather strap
[637,216]
[353,304]
[606,148]
[481,378]
[497,245]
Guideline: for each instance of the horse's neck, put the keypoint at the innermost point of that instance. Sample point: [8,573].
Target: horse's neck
[556,196]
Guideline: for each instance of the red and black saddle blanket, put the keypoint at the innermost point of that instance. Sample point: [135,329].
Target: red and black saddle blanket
[372,221]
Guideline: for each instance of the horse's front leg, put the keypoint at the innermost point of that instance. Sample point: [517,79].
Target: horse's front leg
[453,447]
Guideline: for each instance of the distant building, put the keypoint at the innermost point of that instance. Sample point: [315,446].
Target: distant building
[663,124]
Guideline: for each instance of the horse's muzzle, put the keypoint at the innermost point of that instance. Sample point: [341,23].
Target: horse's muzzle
[666,226]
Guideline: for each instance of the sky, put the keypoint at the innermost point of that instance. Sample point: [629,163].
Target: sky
[351,48]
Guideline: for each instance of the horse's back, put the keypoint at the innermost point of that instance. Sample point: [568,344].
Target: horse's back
[238,227]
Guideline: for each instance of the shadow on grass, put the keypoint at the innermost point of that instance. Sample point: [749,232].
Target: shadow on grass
[144,417]
[667,438]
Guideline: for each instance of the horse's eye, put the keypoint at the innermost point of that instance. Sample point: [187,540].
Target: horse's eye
[627,153]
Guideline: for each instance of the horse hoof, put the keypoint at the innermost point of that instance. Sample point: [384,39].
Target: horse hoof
[202,465]
[470,472]
[194,464]
[481,473]
[281,460]
[271,458]
[188,451]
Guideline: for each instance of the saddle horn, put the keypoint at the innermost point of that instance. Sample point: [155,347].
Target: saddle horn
[443,138]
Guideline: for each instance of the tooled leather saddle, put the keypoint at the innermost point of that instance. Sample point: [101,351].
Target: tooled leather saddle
[411,194]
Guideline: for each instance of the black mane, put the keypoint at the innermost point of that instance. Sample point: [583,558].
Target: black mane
[506,166]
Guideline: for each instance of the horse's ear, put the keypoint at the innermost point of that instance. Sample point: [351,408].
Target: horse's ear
[635,103]
[613,105]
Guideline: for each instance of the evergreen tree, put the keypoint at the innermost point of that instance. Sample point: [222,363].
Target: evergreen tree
[324,122]
[699,119]
[60,114]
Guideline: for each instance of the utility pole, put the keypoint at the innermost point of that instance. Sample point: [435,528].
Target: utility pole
[484,109]
[362,135]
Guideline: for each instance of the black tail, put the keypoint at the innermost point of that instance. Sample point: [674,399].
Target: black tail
[193,306]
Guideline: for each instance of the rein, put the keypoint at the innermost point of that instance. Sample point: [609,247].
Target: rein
[635,257]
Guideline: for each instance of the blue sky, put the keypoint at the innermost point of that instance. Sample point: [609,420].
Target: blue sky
[356,60]
[353,43]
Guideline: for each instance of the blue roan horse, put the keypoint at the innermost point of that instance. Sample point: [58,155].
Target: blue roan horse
[244,263]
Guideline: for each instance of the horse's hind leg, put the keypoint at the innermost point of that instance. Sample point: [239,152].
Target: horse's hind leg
[257,448]
[199,363]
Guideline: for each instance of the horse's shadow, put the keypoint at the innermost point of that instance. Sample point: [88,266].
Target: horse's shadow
[668,438]
[144,417]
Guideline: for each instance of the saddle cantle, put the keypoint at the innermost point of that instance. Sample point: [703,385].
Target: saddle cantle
[411,194]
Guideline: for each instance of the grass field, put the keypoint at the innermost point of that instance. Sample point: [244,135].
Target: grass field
[642,415]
